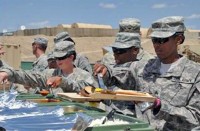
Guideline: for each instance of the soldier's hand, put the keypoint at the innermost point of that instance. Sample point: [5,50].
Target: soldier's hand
[156,106]
[99,68]
[54,81]
[83,93]
[3,77]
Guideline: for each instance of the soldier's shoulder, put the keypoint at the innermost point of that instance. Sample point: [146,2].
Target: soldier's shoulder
[193,66]
[80,71]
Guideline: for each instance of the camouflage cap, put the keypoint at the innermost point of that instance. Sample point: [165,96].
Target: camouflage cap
[50,56]
[63,48]
[130,25]
[61,36]
[167,26]
[127,40]
[40,40]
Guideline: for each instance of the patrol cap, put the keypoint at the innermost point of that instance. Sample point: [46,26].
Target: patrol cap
[127,40]
[167,26]
[50,56]
[131,25]
[62,36]
[63,48]
[40,40]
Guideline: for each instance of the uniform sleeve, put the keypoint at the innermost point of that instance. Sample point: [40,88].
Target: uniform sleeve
[4,65]
[28,78]
[188,115]
[120,77]
[74,83]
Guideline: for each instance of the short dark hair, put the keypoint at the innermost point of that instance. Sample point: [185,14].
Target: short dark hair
[180,34]
[42,47]
[72,53]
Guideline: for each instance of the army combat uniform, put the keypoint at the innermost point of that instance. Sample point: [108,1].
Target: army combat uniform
[40,64]
[83,63]
[73,82]
[178,88]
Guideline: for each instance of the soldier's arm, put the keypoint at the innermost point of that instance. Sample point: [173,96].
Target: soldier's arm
[72,84]
[189,115]
[27,78]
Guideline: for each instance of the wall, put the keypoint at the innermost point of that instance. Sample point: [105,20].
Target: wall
[12,56]
[74,32]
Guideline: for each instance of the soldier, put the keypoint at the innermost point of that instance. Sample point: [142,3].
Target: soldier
[171,77]
[39,46]
[125,48]
[72,79]
[128,25]
[51,61]
[80,61]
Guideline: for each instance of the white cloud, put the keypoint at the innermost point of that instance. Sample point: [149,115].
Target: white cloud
[193,16]
[39,24]
[159,6]
[5,30]
[107,5]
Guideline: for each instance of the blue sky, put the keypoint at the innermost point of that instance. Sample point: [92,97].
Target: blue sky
[42,13]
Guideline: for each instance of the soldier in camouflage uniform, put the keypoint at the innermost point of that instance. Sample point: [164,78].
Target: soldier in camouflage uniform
[51,61]
[129,25]
[171,77]
[66,78]
[125,48]
[81,61]
[39,46]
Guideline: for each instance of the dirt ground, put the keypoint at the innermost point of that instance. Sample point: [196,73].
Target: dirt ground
[88,46]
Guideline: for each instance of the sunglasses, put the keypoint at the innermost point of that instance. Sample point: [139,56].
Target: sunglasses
[62,58]
[159,40]
[120,51]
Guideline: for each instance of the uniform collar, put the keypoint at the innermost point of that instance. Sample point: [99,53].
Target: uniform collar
[154,68]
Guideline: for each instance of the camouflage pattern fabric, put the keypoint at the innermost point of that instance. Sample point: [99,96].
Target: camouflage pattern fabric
[178,89]
[83,63]
[73,82]
[4,65]
[40,64]
[131,25]
[118,72]
[108,58]
[167,26]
